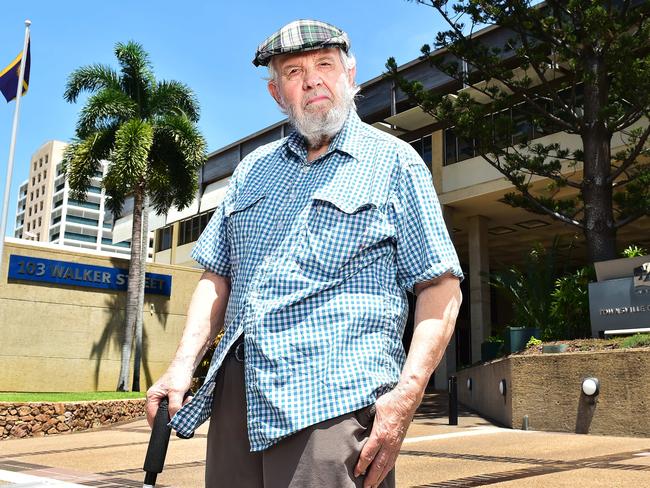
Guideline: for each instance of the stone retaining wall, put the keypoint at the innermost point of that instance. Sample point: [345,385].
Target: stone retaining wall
[19,420]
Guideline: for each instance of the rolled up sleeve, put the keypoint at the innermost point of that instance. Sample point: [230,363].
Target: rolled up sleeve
[424,248]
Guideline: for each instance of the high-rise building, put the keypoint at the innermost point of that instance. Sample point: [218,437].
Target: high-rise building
[48,213]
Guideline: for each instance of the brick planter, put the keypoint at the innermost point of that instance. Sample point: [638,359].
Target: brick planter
[19,420]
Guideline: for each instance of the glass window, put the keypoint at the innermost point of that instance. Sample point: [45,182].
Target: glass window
[522,125]
[41,206]
[450,147]
[465,149]
[164,239]
[40,163]
[427,155]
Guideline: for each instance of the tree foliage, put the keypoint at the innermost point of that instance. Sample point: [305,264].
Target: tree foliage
[147,130]
[581,67]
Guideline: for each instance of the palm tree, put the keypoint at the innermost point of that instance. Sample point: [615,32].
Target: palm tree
[147,130]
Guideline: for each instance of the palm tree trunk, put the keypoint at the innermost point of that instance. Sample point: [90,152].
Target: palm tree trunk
[140,313]
[132,291]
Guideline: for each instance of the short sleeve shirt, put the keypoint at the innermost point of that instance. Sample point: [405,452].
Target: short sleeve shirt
[320,256]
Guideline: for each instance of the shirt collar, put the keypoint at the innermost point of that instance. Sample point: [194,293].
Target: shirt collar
[346,140]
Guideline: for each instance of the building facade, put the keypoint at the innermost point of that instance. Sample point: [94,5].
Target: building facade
[487,233]
[47,212]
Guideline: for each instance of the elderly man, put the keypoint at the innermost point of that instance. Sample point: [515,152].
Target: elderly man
[308,261]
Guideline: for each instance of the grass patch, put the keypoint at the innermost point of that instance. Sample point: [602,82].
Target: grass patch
[637,340]
[83,396]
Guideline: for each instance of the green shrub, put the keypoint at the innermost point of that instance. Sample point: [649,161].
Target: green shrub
[569,308]
[533,342]
[633,251]
[637,340]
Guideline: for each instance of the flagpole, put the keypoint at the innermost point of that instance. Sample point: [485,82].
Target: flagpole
[12,146]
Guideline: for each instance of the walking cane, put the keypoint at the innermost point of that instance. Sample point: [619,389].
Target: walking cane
[158,442]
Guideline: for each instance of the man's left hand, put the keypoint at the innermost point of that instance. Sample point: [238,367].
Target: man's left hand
[393,414]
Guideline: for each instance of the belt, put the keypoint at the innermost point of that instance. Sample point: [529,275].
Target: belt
[237,350]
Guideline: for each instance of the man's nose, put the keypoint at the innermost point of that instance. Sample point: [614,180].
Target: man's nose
[312,79]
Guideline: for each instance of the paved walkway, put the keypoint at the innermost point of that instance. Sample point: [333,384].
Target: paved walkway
[434,454]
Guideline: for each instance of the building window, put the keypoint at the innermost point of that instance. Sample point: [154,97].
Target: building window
[46,158]
[39,178]
[164,239]
[40,163]
[27,226]
[43,190]
[423,147]
[44,173]
[33,180]
[30,212]
[38,236]
[34,165]
[36,192]
[191,229]
[41,206]
[54,237]
[31,195]
[39,221]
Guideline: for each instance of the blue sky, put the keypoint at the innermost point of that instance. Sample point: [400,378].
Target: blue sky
[208,45]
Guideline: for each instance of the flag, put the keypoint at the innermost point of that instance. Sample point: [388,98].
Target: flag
[10,75]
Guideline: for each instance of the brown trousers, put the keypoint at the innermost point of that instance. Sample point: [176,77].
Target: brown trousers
[321,456]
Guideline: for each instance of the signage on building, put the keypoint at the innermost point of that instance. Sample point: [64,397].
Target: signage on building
[79,274]
[622,303]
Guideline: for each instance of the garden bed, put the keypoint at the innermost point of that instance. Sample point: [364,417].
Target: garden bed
[641,341]
[38,419]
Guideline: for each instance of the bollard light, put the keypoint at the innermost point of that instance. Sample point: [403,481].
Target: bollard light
[590,386]
[502,387]
[469,383]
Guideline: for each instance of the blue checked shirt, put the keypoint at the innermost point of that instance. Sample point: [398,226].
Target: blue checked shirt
[320,255]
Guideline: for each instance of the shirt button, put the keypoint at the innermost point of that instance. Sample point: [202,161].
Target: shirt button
[305,168]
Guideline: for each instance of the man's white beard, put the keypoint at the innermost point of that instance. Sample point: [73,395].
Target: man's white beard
[318,128]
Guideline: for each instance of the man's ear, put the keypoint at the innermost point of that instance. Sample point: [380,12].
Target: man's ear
[275,93]
[351,75]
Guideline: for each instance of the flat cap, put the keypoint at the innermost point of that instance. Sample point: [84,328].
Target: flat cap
[299,36]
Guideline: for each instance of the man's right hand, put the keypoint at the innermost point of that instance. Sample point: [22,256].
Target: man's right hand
[173,385]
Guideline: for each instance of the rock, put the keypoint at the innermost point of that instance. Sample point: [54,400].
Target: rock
[11,418]
[41,418]
[27,418]
[40,433]
[53,431]
[37,428]
[50,423]
[19,431]
[24,411]
[61,427]
[59,408]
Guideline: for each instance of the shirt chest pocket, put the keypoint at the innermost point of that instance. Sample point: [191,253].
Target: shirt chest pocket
[338,236]
[245,217]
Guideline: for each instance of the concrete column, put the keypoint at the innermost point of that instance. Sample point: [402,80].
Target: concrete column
[479,290]
[176,228]
[437,157]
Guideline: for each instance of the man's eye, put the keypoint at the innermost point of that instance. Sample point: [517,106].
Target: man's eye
[293,72]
